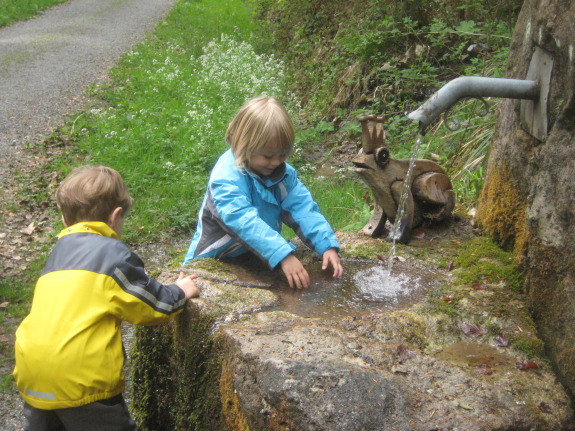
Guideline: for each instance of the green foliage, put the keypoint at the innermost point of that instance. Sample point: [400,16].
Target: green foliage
[16,10]
[341,200]
[17,293]
[387,58]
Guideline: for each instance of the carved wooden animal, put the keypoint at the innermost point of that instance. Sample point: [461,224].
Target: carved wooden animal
[430,197]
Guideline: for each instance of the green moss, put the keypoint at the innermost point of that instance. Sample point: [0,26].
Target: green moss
[367,251]
[531,346]
[212,265]
[411,326]
[196,405]
[231,405]
[152,377]
[174,367]
[442,304]
[482,261]
[501,211]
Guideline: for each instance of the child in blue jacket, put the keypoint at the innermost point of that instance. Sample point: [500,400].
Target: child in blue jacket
[252,190]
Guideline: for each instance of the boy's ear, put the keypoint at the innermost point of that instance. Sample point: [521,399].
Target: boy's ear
[115,215]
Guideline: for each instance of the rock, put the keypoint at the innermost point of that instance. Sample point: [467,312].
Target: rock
[235,360]
[527,202]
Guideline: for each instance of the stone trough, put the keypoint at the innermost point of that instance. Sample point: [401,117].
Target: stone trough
[250,354]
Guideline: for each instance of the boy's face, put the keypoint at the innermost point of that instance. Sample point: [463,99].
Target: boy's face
[266,160]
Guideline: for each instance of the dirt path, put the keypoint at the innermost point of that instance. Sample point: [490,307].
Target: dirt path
[46,64]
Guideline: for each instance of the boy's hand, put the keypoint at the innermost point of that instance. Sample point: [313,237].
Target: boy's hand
[296,274]
[331,257]
[187,284]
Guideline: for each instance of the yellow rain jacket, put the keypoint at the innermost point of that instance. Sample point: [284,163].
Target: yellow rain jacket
[69,348]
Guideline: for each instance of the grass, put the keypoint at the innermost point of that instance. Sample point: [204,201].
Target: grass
[161,123]
[18,10]
[164,117]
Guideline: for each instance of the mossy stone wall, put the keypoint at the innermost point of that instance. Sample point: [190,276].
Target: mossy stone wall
[528,202]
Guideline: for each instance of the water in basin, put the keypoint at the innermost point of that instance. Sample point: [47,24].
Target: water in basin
[365,287]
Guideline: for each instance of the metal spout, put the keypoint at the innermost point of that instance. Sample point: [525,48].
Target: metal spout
[472,86]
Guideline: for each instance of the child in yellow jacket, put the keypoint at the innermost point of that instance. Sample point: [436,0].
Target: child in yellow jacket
[69,353]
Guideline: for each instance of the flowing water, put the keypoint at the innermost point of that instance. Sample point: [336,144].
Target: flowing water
[396,229]
[366,287]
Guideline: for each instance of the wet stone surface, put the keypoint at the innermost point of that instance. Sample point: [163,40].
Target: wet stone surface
[412,350]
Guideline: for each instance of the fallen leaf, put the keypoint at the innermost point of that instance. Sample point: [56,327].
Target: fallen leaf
[527,365]
[480,286]
[484,370]
[4,304]
[545,408]
[29,230]
[501,340]
[450,266]
[448,298]
[472,329]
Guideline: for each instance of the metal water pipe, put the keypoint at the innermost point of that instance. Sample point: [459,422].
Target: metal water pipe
[475,87]
[533,90]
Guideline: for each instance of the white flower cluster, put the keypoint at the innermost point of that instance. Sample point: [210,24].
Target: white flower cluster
[237,71]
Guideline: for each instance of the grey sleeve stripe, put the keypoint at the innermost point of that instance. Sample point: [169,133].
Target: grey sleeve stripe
[43,395]
[141,292]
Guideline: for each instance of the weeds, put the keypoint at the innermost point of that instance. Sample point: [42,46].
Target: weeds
[387,58]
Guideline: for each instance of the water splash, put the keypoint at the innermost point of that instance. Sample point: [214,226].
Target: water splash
[378,284]
[396,229]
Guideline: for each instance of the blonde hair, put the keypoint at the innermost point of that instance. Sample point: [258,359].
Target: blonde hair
[91,193]
[260,122]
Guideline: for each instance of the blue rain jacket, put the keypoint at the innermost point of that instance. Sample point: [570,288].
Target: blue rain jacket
[242,211]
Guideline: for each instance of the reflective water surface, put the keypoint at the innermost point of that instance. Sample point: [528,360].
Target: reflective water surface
[365,287]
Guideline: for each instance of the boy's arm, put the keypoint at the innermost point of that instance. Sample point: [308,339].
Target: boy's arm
[139,299]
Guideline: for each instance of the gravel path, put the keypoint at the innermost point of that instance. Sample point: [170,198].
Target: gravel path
[46,64]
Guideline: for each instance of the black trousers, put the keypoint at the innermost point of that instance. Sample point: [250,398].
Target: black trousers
[106,415]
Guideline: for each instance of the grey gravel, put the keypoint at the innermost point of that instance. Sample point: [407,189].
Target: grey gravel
[46,65]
